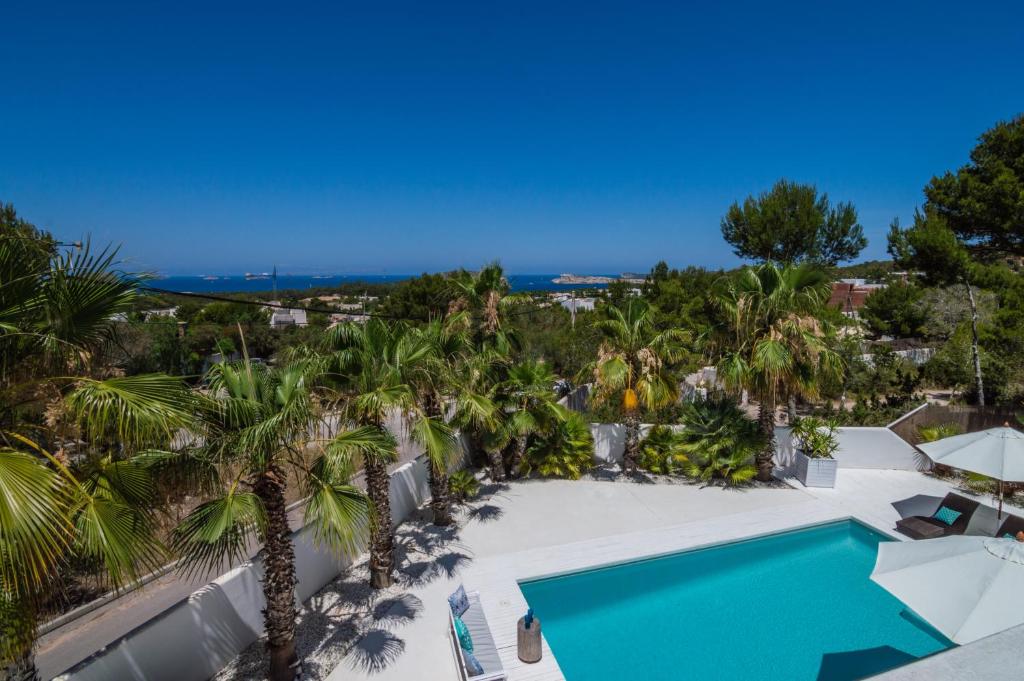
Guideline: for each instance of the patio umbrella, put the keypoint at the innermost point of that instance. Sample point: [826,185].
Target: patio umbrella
[996,452]
[966,587]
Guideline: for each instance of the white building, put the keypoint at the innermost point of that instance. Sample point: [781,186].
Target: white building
[282,317]
[578,304]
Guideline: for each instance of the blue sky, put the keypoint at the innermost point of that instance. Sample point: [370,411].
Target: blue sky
[401,137]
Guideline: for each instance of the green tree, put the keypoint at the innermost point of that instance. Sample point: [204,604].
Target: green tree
[375,368]
[425,297]
[442,385]
[634,368]
[484,295]
[95,509]
[566,450]
[790,223]
[897,310]
[528,406]
[774,344]
[255,425]
[932,248]
[983,201]
[720,441]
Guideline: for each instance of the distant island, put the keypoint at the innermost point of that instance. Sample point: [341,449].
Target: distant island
[568,278]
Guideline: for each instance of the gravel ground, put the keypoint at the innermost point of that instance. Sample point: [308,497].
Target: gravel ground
[348,622]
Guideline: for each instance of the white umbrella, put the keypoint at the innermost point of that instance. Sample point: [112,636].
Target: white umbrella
[996,452]
[966,587]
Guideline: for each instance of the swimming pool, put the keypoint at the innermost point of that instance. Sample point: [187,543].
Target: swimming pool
[793,606]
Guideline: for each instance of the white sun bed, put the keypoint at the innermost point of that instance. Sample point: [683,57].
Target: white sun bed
[483,642]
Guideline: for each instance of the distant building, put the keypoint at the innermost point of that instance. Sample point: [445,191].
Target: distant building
[343,317]
[849,295]
[282,317]
[577,304]
[162,312]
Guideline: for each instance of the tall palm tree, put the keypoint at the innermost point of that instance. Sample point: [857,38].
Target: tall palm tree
[482,297]
[445,390]
[73,485]
[774,343]
[528,405]
[375,368]
[634,368]
[257,426]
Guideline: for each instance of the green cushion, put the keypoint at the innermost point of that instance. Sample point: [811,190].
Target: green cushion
[947,515]
[1009,536]
[465,640]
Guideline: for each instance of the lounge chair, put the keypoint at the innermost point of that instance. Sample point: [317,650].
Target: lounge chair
[928,527]
[484,649]
[1012,525]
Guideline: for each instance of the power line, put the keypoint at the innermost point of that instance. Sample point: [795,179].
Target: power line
[328,311]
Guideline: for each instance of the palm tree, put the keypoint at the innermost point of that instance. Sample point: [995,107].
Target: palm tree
[720,440]
[256,426]
[73,485]
[375,368]
[443,384]
[774,344]
[482,296]
[633,368]
[528,406]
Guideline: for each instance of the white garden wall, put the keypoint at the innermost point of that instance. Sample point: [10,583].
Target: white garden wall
[610,440]
[197,637]
[860,447]
[878,448]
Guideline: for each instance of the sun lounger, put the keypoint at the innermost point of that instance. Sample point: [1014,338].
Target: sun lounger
[929,527]
[484,649]
[1012,525]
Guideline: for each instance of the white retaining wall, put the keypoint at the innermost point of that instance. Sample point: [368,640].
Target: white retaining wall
[610,440]
[860,447]
[878,448]
[197,637]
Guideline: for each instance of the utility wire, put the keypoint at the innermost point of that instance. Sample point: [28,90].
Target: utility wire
[329,311]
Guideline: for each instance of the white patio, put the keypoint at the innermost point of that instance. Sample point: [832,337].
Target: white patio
[538,528]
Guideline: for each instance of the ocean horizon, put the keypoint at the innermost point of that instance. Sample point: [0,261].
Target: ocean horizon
[238,283]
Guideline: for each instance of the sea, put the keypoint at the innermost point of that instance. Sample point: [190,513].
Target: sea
[238,283]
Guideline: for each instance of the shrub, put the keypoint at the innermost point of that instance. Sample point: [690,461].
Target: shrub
[463,486]
[566,451]
[662,452]
[720,441]
[816,437]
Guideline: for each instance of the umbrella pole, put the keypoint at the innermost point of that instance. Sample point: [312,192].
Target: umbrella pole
[1000,516]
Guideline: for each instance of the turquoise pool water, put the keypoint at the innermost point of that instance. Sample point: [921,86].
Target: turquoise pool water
[790,607]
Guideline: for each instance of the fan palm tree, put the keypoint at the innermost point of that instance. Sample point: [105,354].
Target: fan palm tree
[633,368]
[527,405]
[444,387]
[256,427]
[72,482]
[375,368]
[482,296]
[774,344]
[720,440]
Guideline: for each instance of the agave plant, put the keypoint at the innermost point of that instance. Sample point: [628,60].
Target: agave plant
[720,440]
[565,451]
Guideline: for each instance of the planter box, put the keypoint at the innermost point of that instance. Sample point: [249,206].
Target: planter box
[816,472]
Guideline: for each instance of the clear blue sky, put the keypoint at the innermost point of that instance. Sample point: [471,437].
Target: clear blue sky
[401,137]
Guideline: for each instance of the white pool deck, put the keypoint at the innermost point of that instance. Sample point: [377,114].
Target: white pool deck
[543,528]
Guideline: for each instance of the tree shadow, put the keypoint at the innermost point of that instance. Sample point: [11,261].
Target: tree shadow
[375,651]
[485,513]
